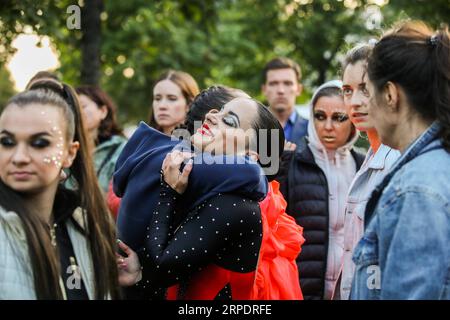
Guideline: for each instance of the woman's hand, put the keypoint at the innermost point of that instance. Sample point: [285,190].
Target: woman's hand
[130,271]
[175,178]
[289,146]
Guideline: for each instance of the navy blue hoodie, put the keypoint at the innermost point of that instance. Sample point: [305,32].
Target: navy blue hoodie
[137,176]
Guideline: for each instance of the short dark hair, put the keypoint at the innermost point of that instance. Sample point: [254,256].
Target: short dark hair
[266,123]
[281,63]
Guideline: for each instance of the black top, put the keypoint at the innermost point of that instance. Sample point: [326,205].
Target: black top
[65,204]
[225,230]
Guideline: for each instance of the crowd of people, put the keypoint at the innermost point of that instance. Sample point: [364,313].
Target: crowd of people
[217,196]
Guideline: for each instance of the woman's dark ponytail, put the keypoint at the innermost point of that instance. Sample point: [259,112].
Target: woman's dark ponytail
[440,45]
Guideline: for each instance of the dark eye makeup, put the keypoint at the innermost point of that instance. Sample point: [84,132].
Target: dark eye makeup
[7,141]
[336,117]
[40,143]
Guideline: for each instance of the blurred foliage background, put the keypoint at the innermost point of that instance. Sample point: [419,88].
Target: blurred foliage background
[124,45]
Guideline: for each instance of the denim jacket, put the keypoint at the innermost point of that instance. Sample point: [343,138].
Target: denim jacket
[405,250]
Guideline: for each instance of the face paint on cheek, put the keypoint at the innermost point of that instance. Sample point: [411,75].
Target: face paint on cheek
[56,159]
[60,146]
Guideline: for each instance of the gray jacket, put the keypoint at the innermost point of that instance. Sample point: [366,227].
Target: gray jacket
[16,275]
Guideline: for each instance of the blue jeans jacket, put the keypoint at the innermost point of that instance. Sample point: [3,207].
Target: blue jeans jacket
[405,250]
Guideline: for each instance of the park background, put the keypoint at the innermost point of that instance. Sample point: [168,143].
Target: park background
[123,45]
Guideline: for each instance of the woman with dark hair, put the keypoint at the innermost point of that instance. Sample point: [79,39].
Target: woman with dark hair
[173,94]
[404,252]
[99,113]
[227,225]
[379,159]
[212,98]
[55,243]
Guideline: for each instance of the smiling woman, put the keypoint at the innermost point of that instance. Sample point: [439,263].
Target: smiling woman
[227,131]
[203,245]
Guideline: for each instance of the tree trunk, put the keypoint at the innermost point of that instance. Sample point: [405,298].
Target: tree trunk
[322,76]
[91,41]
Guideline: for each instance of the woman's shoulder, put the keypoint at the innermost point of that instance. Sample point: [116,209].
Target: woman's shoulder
[10,225]
[112,143]
[9,217]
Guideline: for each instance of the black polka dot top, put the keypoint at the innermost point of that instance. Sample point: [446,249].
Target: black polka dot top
[225,230]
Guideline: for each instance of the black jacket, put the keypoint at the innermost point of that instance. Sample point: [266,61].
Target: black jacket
[305,188]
